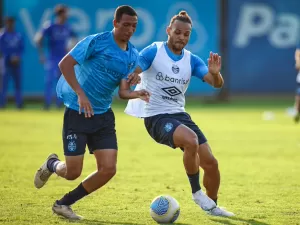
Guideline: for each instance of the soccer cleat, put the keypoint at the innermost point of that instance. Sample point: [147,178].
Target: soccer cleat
[43,173]
[65,211]
[204,201]
[218,211]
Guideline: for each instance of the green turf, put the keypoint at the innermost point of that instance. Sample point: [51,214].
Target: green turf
[259,162]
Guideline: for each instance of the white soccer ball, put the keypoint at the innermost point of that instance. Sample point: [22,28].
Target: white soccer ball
[164,209]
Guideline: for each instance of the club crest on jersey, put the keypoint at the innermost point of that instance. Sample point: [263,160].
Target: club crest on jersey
[175,69]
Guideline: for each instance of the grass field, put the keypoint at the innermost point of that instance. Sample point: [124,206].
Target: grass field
[259,162]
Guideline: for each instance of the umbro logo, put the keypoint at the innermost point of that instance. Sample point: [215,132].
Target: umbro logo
[172,91]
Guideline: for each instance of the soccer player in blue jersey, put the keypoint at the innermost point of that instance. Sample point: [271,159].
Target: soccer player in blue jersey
[166,69]
[92,70]
[57,36]
[297,98]
[11,49]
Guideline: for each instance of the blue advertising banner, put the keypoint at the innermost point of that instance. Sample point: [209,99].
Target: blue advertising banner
[262,39]
[89,17]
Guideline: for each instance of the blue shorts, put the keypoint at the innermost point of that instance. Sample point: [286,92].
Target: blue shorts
[97,132]
[161,127]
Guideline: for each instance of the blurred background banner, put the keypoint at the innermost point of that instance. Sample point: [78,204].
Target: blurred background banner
[262,37]
[88,17]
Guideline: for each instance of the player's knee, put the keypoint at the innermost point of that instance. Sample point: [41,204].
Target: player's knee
[72,175]
[108,171]
[210,164]
[191,144]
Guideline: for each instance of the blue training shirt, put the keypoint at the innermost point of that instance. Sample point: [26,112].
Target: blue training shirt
[57,36]
[11,44]
[102,64]
[147,55]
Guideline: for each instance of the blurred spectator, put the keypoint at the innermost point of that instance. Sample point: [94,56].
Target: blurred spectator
[11,49]
[57,35]
[297,98]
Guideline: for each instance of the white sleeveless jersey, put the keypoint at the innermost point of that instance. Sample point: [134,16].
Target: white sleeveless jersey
[167,81]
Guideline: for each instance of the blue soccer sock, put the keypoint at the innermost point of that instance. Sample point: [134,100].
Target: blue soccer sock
[194,181]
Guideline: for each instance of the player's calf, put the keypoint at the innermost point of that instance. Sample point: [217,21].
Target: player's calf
[93,182]
[211,178]
[99,178]
[186,139]
[90,184]
[210,166]
[191,165]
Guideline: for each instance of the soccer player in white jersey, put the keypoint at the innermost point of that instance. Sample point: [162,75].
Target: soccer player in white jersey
[166,69]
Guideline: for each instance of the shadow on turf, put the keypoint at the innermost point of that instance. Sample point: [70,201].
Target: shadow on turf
[98,222]
[175,223]
[228,222]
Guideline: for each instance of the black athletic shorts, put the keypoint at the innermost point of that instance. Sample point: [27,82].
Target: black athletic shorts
[97,132]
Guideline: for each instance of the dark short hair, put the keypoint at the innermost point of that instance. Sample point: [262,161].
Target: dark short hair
[181,16]
[124,9]
[59,9]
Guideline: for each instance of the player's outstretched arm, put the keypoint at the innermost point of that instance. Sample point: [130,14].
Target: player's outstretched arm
[38,39]
[214,77]
[126,93]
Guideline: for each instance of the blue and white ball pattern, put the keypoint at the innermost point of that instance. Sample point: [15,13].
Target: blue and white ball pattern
[164,209]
